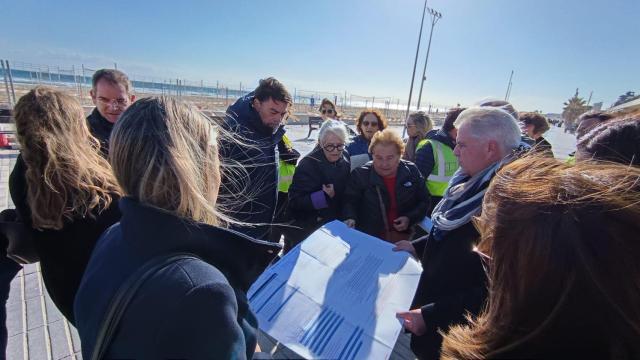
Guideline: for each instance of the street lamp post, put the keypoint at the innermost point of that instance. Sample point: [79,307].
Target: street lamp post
[435,16]
[415,63]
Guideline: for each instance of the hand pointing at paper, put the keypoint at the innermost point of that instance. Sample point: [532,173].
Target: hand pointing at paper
[413,321]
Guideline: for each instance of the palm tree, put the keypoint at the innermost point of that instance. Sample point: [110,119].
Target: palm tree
[573,108]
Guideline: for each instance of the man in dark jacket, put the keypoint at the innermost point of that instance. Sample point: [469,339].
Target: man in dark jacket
[249,191]
[110,93]
[453,281]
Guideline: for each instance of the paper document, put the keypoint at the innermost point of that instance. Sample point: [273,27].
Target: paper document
[335,296]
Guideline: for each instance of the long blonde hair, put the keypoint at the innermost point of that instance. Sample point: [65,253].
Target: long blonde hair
[165,154]
[66,176]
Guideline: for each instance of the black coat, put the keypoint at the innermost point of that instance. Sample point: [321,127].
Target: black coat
[453,282]
[313,171]
[101,129]
[64,253]
[250,197]
[192,309]
[363,205]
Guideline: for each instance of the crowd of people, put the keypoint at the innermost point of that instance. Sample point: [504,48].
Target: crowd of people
[151,221]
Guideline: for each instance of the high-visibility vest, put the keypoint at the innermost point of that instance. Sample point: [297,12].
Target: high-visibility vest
[445,165]
[571,160]
[285,176]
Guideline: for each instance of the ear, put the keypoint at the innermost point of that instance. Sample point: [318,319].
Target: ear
[132,98]
[93,96]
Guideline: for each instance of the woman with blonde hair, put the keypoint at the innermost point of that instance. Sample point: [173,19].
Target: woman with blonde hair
[386,197]
[418,125]
[191,301]
[562,249]
[62,188]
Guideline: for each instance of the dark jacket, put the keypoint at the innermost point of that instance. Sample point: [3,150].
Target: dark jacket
[192,309]
[308,204]
[425,160]
[250,197]
[101,129]
[358,151]
[363,205]
[542,147]
[64,253]
[453,282]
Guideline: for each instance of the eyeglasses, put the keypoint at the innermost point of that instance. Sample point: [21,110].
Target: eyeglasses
[366,123]
[332,147]
[117,103]
[327,111]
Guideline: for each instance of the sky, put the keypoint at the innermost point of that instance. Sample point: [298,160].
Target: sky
[362,47]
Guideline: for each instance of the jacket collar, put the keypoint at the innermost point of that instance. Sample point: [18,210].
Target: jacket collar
[244,114]
[402,175]
[153,231]
[98,120]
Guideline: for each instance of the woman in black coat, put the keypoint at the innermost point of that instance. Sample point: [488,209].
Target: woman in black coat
[387,196]
[165,156]
[62,188]
[316,194]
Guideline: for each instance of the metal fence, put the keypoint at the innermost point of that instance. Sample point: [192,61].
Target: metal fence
[19,77]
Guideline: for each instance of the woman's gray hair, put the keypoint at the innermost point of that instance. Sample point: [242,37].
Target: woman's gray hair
[336,127]
[491,123]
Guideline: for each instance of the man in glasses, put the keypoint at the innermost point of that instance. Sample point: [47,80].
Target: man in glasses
[250,193]
[110,93]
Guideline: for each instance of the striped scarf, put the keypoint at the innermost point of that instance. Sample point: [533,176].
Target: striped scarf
[462,200]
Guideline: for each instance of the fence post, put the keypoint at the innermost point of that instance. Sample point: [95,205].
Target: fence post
[13,91]
[6,84]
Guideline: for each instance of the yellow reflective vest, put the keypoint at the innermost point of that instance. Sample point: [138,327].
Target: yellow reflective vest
[445,165]
[285,176]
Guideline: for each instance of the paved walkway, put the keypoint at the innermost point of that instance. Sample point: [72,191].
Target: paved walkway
[37,330]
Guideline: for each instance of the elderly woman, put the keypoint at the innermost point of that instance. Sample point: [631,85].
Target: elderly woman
[418,125]
[561,245]
[316,193]
[386,197]
[192,302]
[534,126]
[368,123]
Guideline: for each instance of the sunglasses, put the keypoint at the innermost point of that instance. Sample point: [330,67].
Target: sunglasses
[327,111]
[366,123]
[332,147]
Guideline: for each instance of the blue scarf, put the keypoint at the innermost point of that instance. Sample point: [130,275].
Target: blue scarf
[462,200]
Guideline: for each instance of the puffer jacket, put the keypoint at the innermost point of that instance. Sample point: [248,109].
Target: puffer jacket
[363,204]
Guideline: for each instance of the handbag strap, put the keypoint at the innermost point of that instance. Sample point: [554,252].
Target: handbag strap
[125,294]
[383,211]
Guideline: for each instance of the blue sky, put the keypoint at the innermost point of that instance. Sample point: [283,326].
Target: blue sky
[364,47]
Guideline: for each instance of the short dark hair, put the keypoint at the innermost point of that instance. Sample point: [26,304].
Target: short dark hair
[271,88]
[539,122]
[113,76]
[451,117]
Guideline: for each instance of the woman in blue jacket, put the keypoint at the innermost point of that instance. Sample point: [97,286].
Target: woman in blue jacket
[368,123]
[166,161]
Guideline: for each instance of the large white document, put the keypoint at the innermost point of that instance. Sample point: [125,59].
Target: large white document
[335,296]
